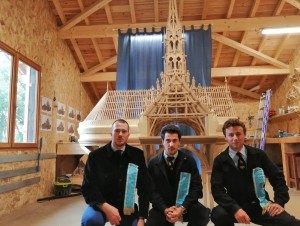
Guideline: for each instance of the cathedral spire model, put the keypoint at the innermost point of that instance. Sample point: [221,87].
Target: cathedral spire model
[176,98]
[174,59]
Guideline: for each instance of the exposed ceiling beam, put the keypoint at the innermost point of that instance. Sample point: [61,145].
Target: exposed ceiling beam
[100,77]
[247,71]
[249,51]
[215,73]
[295,3]
[156,12]
[84,14]
[132,11]
[236,89]
[222,25]
[110,21]
[101,66]
[204,10]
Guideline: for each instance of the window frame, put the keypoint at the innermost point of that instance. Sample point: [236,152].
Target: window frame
[16,58]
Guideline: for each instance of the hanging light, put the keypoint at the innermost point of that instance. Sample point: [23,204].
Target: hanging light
[286,30]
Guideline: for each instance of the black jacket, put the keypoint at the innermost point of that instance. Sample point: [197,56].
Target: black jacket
[162,195]
[233,189]
[105,178]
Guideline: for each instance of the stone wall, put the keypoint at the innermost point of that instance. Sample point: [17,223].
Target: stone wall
[29,28]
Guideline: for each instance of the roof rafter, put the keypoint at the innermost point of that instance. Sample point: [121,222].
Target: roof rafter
[221,25]
[295,3]
[237,89]
[84,14]
[247,50]
[215,73]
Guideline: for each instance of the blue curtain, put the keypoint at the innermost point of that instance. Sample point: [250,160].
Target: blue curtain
[198,49]
[140,58]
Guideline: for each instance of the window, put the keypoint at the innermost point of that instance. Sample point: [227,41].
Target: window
[19,96]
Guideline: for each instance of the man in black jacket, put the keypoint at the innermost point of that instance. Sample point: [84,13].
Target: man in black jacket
[233,187]
[166,170]
[106,182]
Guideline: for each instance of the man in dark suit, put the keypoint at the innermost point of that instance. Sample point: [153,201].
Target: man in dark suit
[166,170]
[234,189]
[106,180]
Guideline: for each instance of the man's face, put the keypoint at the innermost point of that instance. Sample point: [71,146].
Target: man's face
[171,143]
[235,137]
[120,134]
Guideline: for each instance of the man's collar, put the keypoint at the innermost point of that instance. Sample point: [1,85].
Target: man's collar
[175,156]
[115,149]
[232,153]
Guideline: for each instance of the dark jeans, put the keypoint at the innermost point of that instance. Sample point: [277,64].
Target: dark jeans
[92,217]
[220,217]
[197,215]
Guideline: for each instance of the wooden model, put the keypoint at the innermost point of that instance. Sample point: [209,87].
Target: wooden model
[175,99]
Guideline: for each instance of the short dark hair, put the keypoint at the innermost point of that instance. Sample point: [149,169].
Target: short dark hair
[121,121]
[233,122]
[170,128]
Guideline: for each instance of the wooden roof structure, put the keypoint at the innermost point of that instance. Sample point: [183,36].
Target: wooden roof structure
[251,62]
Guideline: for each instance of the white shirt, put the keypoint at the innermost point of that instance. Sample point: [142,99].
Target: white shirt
[235,158]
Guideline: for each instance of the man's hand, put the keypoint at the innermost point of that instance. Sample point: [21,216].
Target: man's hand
[173,214]
[111,213]
[242,217]
[140,222]
[275,209]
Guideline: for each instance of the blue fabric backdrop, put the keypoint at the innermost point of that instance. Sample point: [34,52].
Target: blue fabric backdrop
[140,58]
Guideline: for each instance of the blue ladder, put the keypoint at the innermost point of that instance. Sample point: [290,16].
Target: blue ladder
[262,120]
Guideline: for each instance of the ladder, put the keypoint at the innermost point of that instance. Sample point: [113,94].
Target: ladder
[262,120]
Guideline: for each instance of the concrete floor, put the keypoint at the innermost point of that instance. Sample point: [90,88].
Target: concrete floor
[68,212]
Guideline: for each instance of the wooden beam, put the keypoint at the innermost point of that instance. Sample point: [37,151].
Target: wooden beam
[156,12]
[132,11]
[99,67]
[100,77]
[248,50]
[110,21]
[260,47]
[204,10]
[281,45]
[295,3]
[215,73]
[237,89]
[221,25]
[84,14]
[247,71]
[220,45]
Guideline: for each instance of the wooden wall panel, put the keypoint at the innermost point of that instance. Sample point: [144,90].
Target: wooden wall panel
[29,27]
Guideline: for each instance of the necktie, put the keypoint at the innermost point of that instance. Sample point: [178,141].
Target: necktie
[170,162]
[241,162]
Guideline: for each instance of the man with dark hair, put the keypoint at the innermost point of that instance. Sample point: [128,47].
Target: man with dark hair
[176,185]
[111,175]
[237,184]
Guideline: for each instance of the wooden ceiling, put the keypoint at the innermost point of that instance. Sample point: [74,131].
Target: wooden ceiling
[249,61]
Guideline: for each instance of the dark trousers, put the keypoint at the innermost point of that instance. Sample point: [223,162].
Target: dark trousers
[220,217]
[92,217]
[197,215]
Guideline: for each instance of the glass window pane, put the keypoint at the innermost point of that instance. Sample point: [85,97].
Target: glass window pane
[26,111]
[5,84]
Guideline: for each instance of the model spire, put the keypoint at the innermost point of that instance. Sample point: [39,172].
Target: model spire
[174,59]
